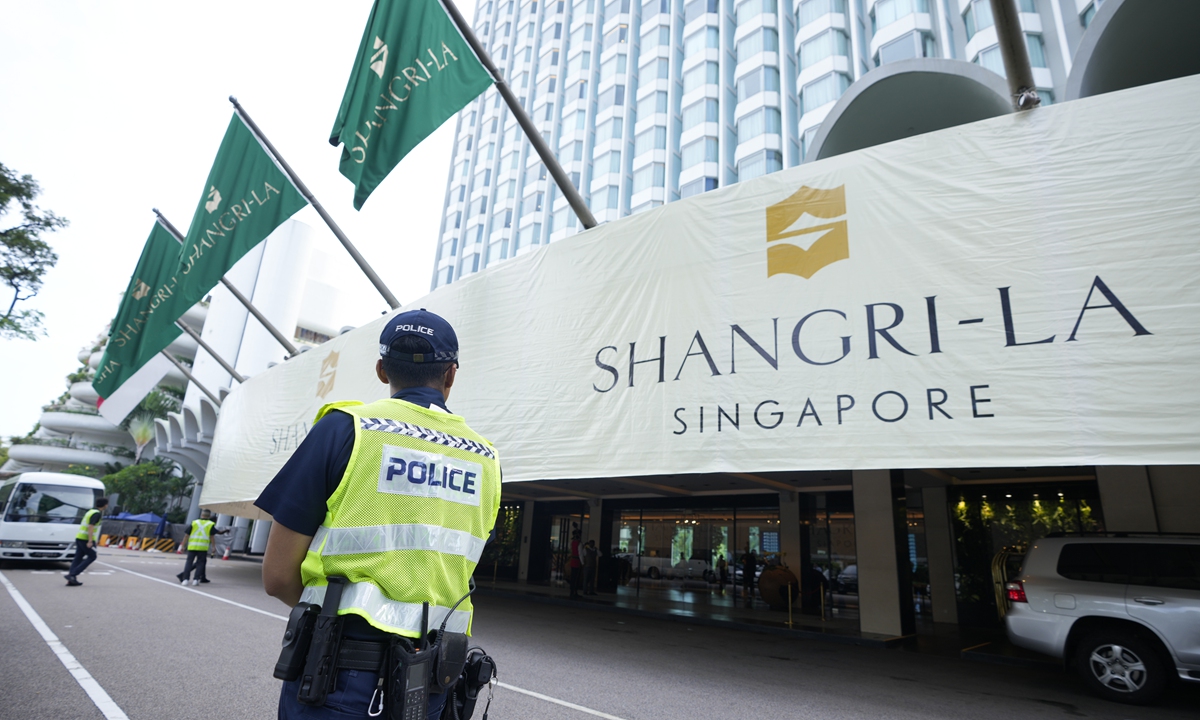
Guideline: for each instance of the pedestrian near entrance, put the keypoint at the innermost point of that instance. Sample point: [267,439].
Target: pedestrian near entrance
[85,542]
[575,563]
[398,497]
[749,567]
[590,556]
[198,538]
[722,572]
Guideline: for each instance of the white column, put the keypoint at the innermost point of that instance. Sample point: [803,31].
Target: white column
[241,533]
[939,549]
[526,531]
[789,532]
[258,537]
[880,601]
[1125,498]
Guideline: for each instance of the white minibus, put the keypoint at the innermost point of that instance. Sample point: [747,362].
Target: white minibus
[41,512]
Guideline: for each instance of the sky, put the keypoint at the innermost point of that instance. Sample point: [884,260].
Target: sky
[118,107]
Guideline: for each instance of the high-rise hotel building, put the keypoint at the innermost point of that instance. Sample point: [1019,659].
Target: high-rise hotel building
[650,101]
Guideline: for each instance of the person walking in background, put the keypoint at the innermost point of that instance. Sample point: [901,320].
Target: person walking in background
[576,565]
[749,567]
[198,538]
[85,542]
[590,556]
[722,572]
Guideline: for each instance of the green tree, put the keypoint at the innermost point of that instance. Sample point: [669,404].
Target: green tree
[24,256]
[150,486]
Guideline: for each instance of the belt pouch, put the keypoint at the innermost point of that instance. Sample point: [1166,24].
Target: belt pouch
[451,659]
[320,669]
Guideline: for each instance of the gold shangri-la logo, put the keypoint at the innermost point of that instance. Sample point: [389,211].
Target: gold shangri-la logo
[787,220]
[328,374]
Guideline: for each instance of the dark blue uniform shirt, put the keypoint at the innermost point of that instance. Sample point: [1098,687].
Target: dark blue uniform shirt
[296,497]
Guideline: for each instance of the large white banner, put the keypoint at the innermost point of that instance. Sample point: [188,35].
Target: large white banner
[1019,291]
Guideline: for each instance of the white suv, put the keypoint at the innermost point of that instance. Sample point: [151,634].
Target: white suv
[1125,609]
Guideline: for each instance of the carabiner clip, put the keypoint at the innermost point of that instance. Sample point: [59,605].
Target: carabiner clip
[374,710]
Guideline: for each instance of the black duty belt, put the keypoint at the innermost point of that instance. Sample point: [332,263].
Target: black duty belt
[361,655]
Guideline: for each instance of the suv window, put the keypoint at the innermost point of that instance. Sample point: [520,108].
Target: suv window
[1149,564]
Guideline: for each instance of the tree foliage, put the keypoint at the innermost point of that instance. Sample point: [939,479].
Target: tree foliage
[149,486]
[24,256]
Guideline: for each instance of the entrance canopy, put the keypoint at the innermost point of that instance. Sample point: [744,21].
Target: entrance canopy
[1018,291]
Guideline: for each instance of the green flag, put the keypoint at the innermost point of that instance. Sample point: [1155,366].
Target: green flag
[413,71]
[145,322]
[245,198]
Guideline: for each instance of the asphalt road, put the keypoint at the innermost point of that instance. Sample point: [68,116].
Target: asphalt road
[159,650]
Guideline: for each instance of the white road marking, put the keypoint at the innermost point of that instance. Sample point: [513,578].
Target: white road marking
[506,686]
[556,701]
[199,592]
[103,702]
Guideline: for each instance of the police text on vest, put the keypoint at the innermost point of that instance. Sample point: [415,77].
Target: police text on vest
[404,471]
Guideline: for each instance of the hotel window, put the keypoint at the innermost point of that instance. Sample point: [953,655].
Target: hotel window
[705,73]
[612,66]
[810,10]
[653,103]
[698,186]
[763,40]
[763,79]
[909,45]
[828,43]
[649,176]
[608,163]
[821,92]
[751,9]
[654,7]
[761,121]
[704,111]
[613,96]
[617,36]
[654,138]
[706,37]
[697,8]
[887,12]
[700,151]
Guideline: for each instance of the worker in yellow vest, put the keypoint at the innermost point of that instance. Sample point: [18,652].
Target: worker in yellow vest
[198,539]
[397,497]
[85,542]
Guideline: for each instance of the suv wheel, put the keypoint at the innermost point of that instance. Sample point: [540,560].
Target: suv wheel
[1122,666]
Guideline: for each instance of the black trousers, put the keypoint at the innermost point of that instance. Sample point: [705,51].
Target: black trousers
[576,576]
[198,559]
[84,556]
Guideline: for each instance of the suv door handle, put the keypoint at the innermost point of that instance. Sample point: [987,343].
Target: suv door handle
[1148,601]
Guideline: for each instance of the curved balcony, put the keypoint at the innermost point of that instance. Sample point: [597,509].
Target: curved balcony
[84,424]
[1130,44]
[906,98]
[84,392]
[37,454]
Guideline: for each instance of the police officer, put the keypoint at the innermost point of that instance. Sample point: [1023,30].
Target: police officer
[198,539]
[398,496]
[85,541]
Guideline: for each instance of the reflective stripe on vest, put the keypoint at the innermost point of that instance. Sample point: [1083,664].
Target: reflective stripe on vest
[83,527]
[385,538]
[392,615]
[198,539]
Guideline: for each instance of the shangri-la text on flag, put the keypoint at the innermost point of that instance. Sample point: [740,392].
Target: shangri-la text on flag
[245,198]
[145,321]
[413,71]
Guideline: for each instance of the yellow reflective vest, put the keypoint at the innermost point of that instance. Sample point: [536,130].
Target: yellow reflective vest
[200,535]
[409,519]
[89,518]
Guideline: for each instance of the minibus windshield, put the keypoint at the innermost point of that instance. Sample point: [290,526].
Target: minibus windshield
[44,503]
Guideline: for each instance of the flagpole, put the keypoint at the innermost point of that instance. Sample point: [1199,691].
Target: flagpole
[337,231]
[208,349]
[287,345]
[187,373]
[535,138]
